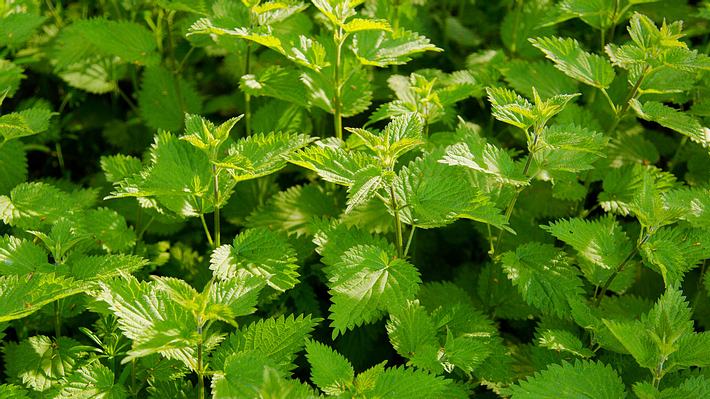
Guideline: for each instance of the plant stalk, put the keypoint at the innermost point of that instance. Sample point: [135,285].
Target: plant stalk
[511,204]
[627,102]
[620,268]
[247,96]
[215,175]
[57,321]
[337,98]
[207,230]
[397,224]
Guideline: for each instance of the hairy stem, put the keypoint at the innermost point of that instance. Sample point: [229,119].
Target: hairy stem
[397,223]
[215,175]
[337,98]
[409,240]
[511,203]
[200,371]
[247,97]
[620,268]
[627,103]
[57,320]
[207,230]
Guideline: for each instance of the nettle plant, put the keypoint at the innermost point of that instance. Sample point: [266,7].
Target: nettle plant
[532,223]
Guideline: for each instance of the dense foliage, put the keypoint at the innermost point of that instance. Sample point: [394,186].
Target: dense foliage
[354,198]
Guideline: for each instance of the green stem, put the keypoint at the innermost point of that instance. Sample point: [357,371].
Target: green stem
[627,102]
[620,268]
[397,223]
[200,372]
[57,321]
[207,230]
[215,175]
[247,97]
[409,240]
[511,204]
[337,98]
[60,157]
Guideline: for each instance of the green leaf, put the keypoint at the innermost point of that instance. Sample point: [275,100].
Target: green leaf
[279,339]
[32,205]
[119,167]
[321,90]
[367,182]
[674,251]
[363,24]
[365,282]
[8,391]
[599,14]
[277,82]
[164,99]
[129,41]
[24,123]
[17,28]
[662,331]
[20,296]
[334,239]
[407,382]
[511,108]
[569,148]
[10,77]
[380,48]
[474,153]
[432,194]
[108,229]
[576,63]
[566,381]
[20,257]
[179,177]
[673,119]
[524,75]
[147,315]
[330,371]
[259,252]
[413,335]
[204,135]
[543,276]
[332,163]
[13,162]
[229,299]
[563,341]
[293,211]
[94,268]
[94,381]
[261,154]
[40,362]
[601,245]
[251,375]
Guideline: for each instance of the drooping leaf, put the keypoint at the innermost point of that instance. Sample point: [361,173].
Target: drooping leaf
[673,119]
[364,283]
[570,58]
[543,276]
[261,154]
[259,252]
[380,48]
[20,296]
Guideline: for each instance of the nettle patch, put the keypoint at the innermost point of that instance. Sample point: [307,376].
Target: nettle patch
[354,198]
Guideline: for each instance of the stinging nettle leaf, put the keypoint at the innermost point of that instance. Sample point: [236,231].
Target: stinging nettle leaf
[259,252]
[365,282]
[570,58]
